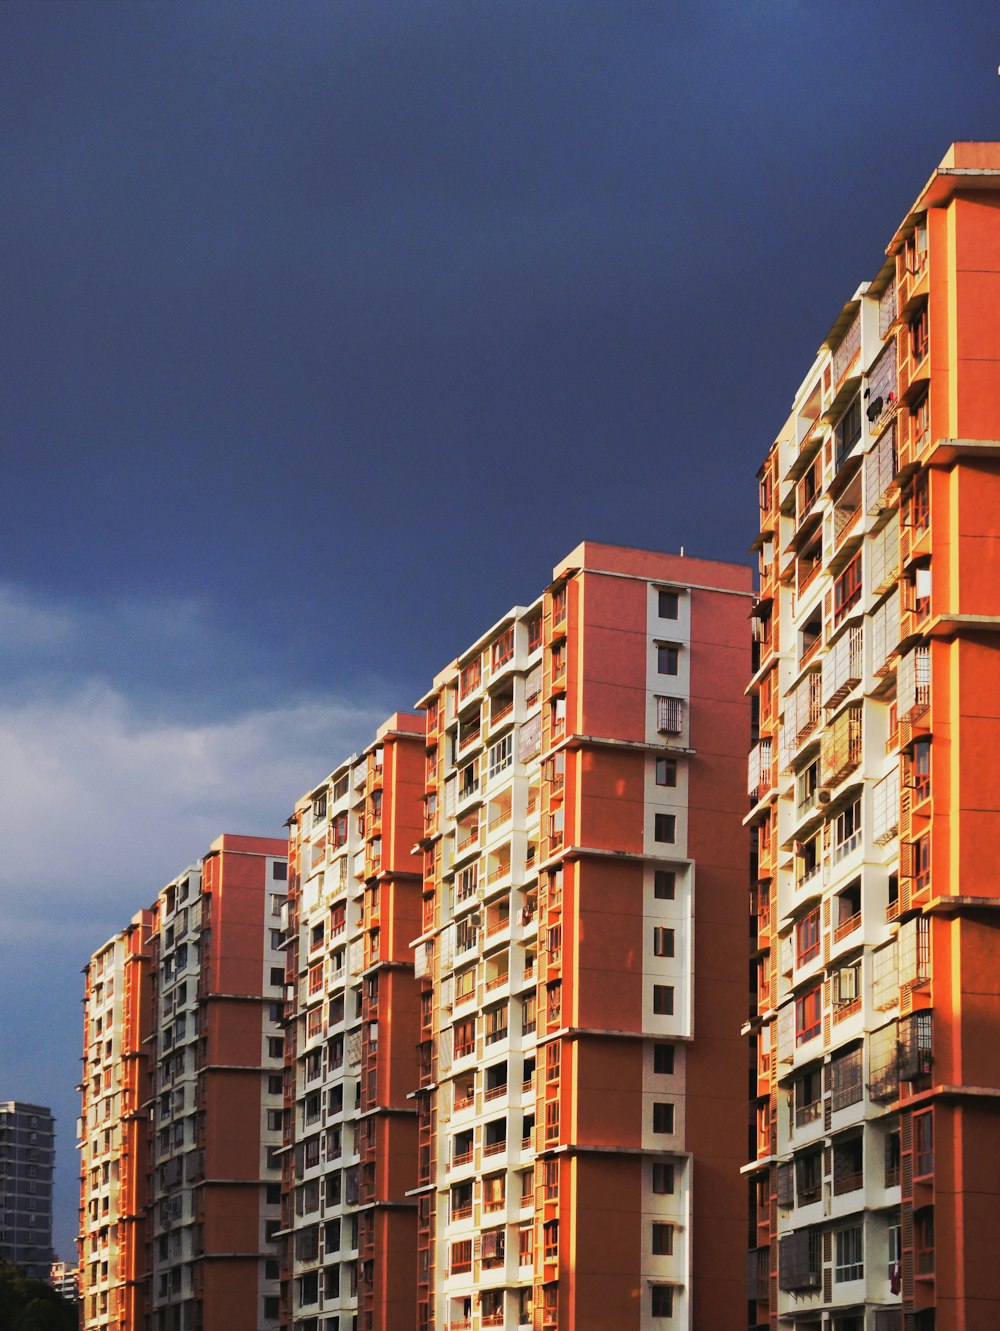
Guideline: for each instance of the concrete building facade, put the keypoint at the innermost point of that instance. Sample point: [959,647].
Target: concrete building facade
[27,1157]
[112,1130]
[582,1095]
[182,1100]
[874,1178]
[349,1221]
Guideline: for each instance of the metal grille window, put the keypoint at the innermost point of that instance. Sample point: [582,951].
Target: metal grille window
[885,807]
[884,556]
[669,715]
[799,1260]
[882,384]
[885,982]
[844,1080]
[885,631]
[913,681]
[848,349]
[915,1046]
[883,1077]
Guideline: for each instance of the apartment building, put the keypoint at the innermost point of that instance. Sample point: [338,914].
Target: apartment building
[182,1101]
[112,1130]
[27,1156]
[582,1094]
[350,1136]
[874,1183]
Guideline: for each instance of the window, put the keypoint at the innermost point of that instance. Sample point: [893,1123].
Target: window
[807,1097]
[807,938]
[809,1177]
[465,1037]
[663,1300]
[663,1000]
[667,603]
[845,1081]
[501,755]
[461,1257]
[277,975]
[663,941]
[663,1059]
[920,769]
[923,1144]
[279,870]
[669,715]
[663,1177]
[808,1014]
[663,1239]
[276,1046]
[664,884]
[849,1257]
[663,1116]
[666,771]
[667,659]
[665,827]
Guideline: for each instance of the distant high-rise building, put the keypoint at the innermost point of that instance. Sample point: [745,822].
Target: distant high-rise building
[182,1099]
[582,1096]
[27,1156]
[875,792]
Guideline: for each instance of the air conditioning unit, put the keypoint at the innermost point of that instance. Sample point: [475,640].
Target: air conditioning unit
[823,796]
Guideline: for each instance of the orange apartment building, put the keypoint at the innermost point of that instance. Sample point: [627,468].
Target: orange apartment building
[350,1136]
[874,1186]
[581,1099]
[112,1130]
[182,1102]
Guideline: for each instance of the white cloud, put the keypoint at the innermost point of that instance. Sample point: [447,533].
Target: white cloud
[100,806]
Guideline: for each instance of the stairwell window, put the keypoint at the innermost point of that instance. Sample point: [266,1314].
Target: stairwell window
[663,1239]
[668,603]
[663,1117]
[664,884]
[663,1000]
[665,827]
[666,771]
[667,658]
[663,941]
[663,1300]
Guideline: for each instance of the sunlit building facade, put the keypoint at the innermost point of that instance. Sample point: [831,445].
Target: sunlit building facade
[350,1136]
[113,1130]
[182,1099]
[582,1093]
[874,1183]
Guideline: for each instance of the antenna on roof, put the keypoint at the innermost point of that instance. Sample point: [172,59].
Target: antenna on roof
[682,552]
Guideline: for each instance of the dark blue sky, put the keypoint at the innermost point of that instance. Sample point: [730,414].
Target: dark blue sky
[329,327]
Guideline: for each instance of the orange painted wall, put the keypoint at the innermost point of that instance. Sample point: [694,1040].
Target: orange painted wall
[612,808]
[613,650]
[607,1078]
[606,928]
[607,1239]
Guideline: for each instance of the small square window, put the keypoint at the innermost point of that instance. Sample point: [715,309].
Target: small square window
[274,1083]
[665,827]
[663,1177]
[668,604]
[664,884]
[663,1117]
[663,941]
[277,975]
[666,771]
[663,1000]
[667,659]
[663,1240]
[663,1059]
[663,1300]
[279,871]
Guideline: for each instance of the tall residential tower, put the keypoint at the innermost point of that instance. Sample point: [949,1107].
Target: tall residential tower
[582,1096]
[875,792]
